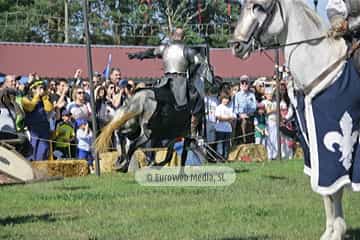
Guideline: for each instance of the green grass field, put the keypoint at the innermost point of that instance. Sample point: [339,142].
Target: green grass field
[267,201]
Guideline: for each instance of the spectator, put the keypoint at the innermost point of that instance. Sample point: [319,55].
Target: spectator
[9,82]
[271,127]
[9,112]
[103,107]
[224,116]
[124,93]
[37,106]
[244,108]
[86,87]
[287,141]
[211,102]
[259,85]
[115,76]
[79,108]
[52,87]
[77,77]
[260,125]
[64,134]
[84,138]
[234,90]
[60,98]
[110,92]
[97,78]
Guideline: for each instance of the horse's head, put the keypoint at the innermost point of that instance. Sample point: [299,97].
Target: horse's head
[260,22]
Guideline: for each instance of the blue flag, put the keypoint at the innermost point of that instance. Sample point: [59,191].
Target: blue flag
[106,72]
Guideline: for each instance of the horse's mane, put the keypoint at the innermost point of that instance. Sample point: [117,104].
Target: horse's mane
[310,13]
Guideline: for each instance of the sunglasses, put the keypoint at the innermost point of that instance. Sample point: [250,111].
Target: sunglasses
[244,83]
[80,92]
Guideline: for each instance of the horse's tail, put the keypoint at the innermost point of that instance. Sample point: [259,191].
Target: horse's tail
[103,140]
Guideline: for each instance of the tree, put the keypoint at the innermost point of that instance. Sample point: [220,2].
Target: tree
[126,22]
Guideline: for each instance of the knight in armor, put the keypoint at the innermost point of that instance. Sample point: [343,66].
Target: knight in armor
[178,60]
[344,16]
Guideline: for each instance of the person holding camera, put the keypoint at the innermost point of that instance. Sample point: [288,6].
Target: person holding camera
[124,93]
[37,107]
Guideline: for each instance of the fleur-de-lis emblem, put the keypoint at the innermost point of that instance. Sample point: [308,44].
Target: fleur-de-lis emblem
[346,140]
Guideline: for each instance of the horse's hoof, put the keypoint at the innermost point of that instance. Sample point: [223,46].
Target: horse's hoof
[121,166]
[327,234]
[339,229]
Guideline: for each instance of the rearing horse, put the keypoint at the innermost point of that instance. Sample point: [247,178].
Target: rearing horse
[151,115]
[327,96]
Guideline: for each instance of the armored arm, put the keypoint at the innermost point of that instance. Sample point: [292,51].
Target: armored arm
[150,53]
[344,14]
[336,11]
[353,8]
[193,58]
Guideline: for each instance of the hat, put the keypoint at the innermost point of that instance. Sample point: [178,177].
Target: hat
[36,83]
[123,83]
[244,78]
[81,121]
[259,81]
[65,112]
[24,80]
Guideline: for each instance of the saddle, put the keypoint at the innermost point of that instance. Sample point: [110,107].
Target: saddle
[168,120]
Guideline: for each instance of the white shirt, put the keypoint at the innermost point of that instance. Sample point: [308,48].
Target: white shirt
[84,139]
[270,117]
[223,111]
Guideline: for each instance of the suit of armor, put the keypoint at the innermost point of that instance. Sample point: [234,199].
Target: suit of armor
[344,15]
[344,10]
[178,60]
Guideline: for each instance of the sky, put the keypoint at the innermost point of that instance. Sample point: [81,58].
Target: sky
[321,7]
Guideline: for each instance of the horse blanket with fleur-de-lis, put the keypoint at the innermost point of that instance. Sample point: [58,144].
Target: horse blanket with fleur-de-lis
[330,124]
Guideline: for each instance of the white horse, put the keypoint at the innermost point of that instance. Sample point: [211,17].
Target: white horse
[315,66]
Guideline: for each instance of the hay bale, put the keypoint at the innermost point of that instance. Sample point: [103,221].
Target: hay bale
[107,161]
[299,154]
[65,168]
[161,155]
[248,153]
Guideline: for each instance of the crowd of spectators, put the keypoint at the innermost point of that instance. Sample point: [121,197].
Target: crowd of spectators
[57,113]
[245,113]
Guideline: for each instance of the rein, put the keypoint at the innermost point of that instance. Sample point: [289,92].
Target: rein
[278,45]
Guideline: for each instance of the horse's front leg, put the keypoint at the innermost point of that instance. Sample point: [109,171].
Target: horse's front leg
[330,217]
[339,221]
[335,223]
[122,160]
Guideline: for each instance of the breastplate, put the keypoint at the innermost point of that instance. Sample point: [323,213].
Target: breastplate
[174,59]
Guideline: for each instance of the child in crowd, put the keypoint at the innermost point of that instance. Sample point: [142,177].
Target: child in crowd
[224,116]
[287,142]
[64,134]
[271,127]
[84,138]
[260,125]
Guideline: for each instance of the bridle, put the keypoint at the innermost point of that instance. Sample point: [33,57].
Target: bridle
[255,40]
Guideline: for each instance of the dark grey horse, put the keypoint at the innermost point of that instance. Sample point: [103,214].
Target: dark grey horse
[151,115]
